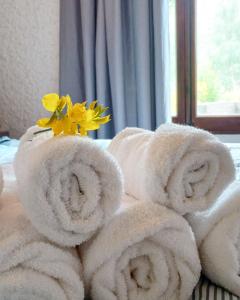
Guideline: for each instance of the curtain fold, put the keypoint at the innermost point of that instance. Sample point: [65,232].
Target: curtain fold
[117,51]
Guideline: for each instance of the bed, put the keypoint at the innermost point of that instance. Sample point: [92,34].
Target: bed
[205,290]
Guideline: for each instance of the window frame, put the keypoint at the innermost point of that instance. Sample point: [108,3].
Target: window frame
[186,76]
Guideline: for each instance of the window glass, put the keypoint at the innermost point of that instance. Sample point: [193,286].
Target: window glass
[218,57]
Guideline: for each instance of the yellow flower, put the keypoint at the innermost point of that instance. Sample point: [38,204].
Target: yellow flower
[52,102]
[75,113]
[56,105]
[92,118]
[76,119]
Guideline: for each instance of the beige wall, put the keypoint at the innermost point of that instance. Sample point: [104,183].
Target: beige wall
[29,60]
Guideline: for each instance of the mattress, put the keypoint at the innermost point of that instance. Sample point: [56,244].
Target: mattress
[205,290]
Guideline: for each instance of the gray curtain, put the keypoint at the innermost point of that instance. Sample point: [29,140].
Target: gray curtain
[117,51]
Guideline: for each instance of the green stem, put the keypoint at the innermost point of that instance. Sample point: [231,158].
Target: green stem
[44,130]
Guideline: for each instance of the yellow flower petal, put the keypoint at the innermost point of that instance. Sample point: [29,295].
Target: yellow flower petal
[91,125]
[69,128]
[66,125]
[99,110]
[69,105]
[50,102]
[90,114]
[43,122]
[91,122]
[57,127]
[74,129]
[61,104]
[83,131]
[93,104]
[103,120]
[78,112]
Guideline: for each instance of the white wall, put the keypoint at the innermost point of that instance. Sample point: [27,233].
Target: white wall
[29,60]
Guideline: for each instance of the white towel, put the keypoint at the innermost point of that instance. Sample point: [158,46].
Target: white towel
[178,166]
[68,185]
[217,233]
[30,266]
[146,252]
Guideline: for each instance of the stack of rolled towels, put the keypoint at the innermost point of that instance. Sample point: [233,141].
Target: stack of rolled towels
[65,190]
[186,170]
[137,221]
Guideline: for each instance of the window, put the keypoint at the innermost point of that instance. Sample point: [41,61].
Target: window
[208,63]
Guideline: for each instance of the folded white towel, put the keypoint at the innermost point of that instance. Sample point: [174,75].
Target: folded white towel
[217,233]
[68,185]
[178,166]
[146,252]
[30,266]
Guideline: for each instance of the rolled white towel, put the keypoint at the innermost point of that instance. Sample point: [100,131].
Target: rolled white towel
[178,166]
[68,185]
[217,232]
[30,266]
[146,252]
